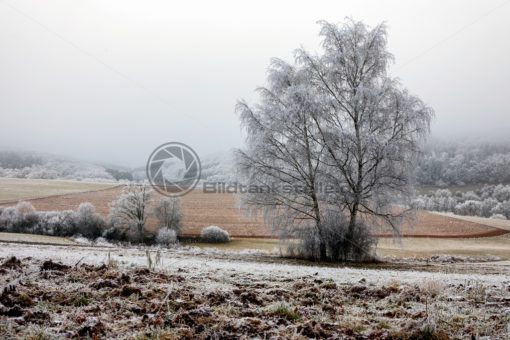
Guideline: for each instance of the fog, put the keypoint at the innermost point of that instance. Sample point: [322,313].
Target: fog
[109,81]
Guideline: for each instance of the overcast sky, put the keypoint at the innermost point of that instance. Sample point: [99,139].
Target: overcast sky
[111,80]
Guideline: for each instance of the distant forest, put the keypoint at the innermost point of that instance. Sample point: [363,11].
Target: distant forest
[441,164]
[446,164]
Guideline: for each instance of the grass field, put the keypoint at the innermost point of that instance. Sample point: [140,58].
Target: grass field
[15,189]
[426,247]
[203,209]
[35,239]
[493,222]
[82,292]
[420,247]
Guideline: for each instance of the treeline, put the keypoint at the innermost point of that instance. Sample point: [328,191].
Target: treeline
[120,175]
[445,164]
[489,201]
[34,166]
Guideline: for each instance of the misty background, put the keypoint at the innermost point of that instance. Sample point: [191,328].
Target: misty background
[111,81]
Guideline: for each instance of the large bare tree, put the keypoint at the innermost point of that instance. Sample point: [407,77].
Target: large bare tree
[281,162]
[370,126]
[333,120]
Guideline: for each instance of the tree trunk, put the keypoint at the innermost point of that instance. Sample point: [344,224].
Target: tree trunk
[322,249]
[322,242]
[349,236]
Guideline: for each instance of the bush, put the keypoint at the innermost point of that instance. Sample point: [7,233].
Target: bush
[214,234]
[89,223]
[24,219]
[7,218]
[340,246]
[115,234]
[57,223]
[166,236]
[498,217]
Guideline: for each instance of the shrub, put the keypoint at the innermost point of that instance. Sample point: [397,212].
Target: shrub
[115,234]
[89,223]
[340,246]
[166,236]
[214,234]
[19,218]
[7,218]
[498,217]
[64,223]
[25,218]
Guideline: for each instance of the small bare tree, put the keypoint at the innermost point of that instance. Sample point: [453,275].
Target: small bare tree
[130,211]
[169,213]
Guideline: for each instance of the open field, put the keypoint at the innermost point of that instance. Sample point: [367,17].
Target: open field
[423,247]
[15,189]
[408,247]
[493,222]
[460,235]
[54,292]
[204,209]
[100,199]
[35,239]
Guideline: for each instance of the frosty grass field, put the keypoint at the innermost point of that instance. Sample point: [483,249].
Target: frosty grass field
[197,293]
[13,189]
[437,287]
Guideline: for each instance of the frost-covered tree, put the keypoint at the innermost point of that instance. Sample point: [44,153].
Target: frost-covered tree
[369,124]
[169,213]
[487,205]
[470,208]
[447,163]
[282,158]
[334,120]
[129,212]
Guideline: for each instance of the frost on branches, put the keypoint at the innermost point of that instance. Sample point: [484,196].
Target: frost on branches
[335,134]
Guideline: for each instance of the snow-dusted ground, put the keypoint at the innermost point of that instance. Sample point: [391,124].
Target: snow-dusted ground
[203,293]
[201,261]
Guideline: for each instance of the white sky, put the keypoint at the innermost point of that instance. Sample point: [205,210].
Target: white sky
[111,80]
